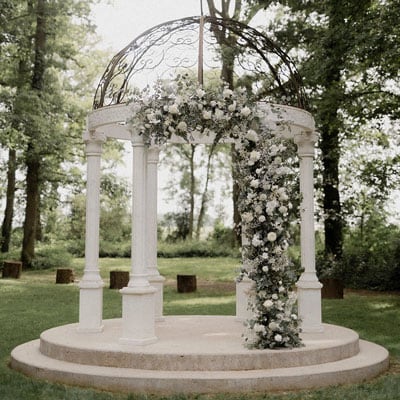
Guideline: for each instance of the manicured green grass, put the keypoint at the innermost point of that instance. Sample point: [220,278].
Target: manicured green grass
[34,303]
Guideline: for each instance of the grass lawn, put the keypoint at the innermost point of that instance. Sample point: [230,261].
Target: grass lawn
[34,303]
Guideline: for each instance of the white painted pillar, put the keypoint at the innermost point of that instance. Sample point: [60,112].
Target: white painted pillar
[243,289]
[308,286]
[155,279]
[91,284]
[138,305]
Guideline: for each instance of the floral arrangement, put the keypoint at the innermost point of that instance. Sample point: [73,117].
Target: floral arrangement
[267,192]
[182,107]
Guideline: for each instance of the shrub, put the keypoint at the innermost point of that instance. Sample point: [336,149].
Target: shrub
[371,257]
[195,249]
[51,256]
[115,249]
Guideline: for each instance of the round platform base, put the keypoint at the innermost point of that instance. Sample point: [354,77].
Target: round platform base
[197,354]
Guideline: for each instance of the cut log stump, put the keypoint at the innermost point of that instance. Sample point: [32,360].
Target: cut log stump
[12,269]
[186,283]
[119,279]
[65,275]
[332,288]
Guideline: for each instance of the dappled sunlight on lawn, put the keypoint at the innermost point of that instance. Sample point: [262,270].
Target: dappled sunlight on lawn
[203,301]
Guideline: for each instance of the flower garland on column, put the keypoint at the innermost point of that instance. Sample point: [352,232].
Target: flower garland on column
[267,189]
[184,108]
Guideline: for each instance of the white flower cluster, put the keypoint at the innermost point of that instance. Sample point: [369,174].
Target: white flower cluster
[266,192]
[182,107]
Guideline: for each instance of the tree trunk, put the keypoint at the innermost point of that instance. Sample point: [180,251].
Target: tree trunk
[204,196]
[31,211]
[6,227]
[33,157]
[330,126]
[192,190]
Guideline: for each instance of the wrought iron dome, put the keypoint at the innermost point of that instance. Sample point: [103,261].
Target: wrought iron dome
[166,49]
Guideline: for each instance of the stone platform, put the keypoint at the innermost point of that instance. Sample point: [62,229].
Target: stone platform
[197,354]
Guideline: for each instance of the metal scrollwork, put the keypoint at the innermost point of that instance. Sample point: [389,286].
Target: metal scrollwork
[259,63]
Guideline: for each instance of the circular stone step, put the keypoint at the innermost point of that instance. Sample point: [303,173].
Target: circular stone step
[193,343]
[368,363]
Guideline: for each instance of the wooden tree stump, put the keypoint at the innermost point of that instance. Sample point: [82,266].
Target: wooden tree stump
[186,283]
[332,288]
[65,275]
[119,279]
[12,269]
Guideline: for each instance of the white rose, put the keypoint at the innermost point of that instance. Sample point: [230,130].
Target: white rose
[173,109]
[259,328]
[255,155]
[274,296]
[283,210]
[281,289]
[252,135]
[227,92]
[207,114]
[263,197]
[271,237]
[245,111]
[268,303]
[213,103]
[273,326]
[256,242]
[265,257]
[247,217]
[182,126]
[265,268]
[294,317]
[255,183]
[278,338]
[261,218]
[200,92]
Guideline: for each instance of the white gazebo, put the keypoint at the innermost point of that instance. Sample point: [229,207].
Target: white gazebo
[144,351]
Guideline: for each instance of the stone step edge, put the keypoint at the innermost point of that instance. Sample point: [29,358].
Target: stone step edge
[367,364]
[200,362]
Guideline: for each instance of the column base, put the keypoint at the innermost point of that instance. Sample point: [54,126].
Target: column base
[90,307]
[309,305]
[157,281]
[138,311]
[243,289]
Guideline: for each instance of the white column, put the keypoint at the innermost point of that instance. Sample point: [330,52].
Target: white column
[138,303]
[91,284]
[308,286]
[155,279]
[243,289]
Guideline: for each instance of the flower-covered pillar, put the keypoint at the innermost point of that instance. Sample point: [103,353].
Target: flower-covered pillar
[138,308]
[308,286]
[155,279]
[91,284]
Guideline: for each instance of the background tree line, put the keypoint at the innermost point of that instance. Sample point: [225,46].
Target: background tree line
[347,53]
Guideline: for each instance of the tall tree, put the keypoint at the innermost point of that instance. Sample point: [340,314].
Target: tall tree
[33,157]
[15,45]
[341,48]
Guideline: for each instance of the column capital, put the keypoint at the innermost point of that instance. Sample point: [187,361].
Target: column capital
[153,154]
[94,141]
[137,140]
[94,136]
[305,142]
